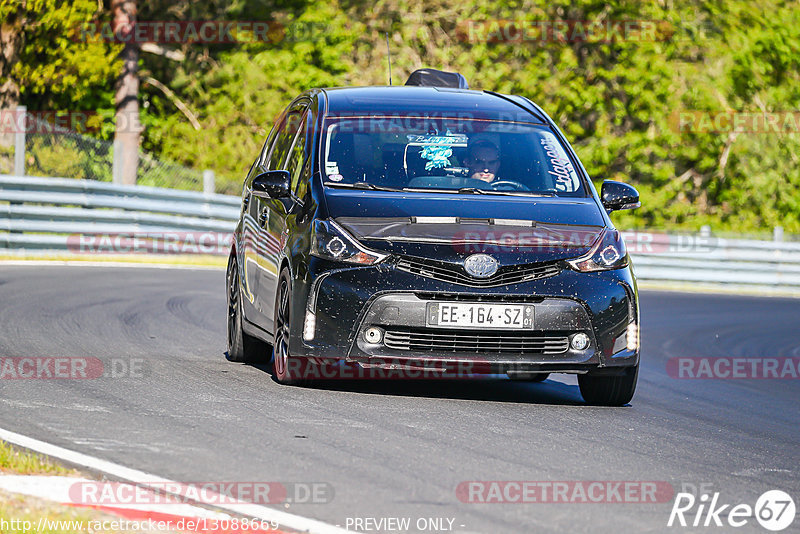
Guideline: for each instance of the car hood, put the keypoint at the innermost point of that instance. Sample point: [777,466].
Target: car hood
[450,227]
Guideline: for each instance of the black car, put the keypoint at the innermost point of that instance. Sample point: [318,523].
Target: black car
[431,230]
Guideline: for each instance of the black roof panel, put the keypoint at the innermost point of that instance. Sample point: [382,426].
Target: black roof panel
[403,100]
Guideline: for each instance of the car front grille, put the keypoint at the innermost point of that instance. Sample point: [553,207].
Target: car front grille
[475,341]
[457,275]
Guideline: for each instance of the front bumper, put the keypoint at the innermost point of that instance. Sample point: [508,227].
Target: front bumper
[346,301]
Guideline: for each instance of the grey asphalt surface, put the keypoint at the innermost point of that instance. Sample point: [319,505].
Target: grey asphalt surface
[398,449]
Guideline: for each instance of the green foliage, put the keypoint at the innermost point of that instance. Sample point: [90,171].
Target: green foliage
[618,101]
[59,68]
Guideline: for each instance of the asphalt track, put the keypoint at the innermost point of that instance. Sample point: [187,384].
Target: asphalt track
[398,449]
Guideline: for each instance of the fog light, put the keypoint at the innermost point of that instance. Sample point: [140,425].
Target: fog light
[580,341]
[373,335]
[309,326]
[633,336]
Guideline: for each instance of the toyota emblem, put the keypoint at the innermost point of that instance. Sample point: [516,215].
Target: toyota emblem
[481,265]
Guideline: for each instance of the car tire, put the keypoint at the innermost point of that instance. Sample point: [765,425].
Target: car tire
[285,368]
[241,347]
[609,390]
[534,377]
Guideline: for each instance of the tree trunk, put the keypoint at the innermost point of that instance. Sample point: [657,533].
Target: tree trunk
[126,100]
[12,39]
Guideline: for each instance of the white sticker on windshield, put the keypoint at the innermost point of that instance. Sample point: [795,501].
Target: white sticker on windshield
[449,139]
[561,168]
[332,168]
[335,177]
[437,149]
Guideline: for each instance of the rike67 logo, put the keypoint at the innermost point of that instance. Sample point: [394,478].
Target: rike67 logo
[774,510]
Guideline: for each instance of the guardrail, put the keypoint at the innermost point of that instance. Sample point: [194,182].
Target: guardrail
[707,259]
[58,214]
[54,213]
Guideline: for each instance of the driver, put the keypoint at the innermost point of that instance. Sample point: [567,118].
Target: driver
[483,161]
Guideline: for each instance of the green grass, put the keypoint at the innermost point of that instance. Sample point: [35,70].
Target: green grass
[16,510]
[21,462]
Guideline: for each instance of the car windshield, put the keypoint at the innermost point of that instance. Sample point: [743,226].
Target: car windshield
[475,156]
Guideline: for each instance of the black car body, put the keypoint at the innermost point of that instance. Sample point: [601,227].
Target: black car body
[361,210]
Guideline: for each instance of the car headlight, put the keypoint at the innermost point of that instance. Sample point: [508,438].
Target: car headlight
[332,242]
[608,253]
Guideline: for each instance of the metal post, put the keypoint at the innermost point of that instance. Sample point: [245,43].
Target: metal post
[19,140]
[208,182]
[705,231]
[777,233]
[116,166]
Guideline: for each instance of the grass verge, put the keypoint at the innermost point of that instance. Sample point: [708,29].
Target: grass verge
[14,461]
[192,260]
[21,514]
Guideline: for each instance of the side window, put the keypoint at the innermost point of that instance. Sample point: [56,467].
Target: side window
[262,157]
[297,158]
[283,141]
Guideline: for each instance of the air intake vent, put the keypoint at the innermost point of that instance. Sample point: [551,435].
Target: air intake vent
[457,275]
[475,341]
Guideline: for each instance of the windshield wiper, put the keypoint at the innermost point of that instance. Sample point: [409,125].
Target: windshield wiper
[474,191]
[362,185]
[536,193]
[464,190]
[477,191]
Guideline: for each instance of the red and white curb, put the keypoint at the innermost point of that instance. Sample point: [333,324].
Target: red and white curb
[57,489]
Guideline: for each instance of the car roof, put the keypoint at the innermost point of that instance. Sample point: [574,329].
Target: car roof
[401,100]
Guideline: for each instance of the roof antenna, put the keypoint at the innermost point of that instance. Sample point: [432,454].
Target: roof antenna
[389,57]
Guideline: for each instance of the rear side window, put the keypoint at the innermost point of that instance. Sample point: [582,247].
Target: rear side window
[283,141]
[297,159]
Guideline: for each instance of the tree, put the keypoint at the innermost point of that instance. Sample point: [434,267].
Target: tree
[13,15]
[126,97]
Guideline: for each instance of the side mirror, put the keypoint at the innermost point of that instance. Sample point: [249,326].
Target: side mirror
[619,196]
[271,184]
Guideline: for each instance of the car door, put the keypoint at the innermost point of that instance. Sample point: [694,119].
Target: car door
[272,215]
[250,228]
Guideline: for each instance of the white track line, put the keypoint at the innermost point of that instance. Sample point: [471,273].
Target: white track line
[285,519]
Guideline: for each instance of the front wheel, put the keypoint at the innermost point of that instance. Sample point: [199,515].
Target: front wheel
[287,369]
[609,390]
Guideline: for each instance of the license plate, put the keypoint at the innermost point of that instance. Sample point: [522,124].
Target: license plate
[480,315]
